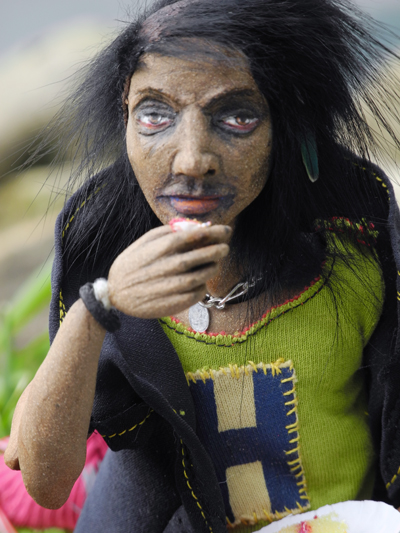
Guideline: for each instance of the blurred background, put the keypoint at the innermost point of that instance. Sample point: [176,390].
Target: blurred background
[42,43]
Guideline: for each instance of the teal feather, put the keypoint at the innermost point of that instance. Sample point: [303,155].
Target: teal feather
[309,154]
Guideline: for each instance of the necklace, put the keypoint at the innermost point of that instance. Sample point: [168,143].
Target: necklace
[199,315]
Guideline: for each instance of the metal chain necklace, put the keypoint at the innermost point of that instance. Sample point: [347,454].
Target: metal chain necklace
[199,315]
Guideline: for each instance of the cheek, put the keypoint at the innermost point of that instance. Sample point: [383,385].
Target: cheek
[148,156]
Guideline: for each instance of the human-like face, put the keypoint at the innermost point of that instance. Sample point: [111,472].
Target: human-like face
[199,136]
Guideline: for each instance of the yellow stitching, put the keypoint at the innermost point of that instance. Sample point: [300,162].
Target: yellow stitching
[293,451]
[255,517]
[394,477]
[295,465]
[131,429]
[289,392]
[253,365]
[235,371]
[275,366]
[63,310]
[287,379]
[291,402]
[268,515]
[191,490]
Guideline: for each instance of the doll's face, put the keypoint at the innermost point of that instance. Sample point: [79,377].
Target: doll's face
[199,136]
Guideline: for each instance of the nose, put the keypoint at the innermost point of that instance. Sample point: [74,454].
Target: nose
[194,155]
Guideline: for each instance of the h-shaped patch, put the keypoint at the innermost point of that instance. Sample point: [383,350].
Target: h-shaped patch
[247,421]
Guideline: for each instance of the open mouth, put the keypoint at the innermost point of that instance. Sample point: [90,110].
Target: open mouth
[195,205]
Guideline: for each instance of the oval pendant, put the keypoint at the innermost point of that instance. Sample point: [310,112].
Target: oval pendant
[199,318]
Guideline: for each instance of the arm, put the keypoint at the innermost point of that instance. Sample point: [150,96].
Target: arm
[49,432]
[161,273]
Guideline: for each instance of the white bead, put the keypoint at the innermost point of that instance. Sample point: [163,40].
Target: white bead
[100,287]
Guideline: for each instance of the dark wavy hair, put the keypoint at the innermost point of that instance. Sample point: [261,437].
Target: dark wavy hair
[319,64]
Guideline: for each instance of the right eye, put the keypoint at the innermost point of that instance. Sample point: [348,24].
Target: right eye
[153,121]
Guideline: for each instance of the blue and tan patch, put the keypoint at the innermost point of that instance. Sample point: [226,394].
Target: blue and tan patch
[249,426]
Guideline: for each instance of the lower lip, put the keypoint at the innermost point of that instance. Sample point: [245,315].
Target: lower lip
[194,206]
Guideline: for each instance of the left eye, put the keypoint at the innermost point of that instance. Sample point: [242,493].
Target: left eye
[154,120]
[240,122]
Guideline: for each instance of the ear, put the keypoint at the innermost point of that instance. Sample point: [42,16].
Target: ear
[309,154]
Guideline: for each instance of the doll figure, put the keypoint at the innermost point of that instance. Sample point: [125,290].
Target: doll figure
[244,368]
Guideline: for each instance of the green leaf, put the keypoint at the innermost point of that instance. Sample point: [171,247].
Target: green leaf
[31,298]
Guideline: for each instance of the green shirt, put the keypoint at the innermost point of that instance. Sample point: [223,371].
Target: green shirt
[309,351]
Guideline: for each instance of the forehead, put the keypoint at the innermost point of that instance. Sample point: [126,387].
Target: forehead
[193,78]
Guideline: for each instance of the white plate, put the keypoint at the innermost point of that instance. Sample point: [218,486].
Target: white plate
[359,517]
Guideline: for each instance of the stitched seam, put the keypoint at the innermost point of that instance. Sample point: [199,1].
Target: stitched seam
[191,489]
[295,465]
[378,179]
[343,225]
[130,429]
[393,479]
[63,310]
[189,336]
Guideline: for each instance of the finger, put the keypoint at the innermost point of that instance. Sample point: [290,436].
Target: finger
[169,305]
[178,264]
[184,241]
[152,235]
[176,284]
[136,296]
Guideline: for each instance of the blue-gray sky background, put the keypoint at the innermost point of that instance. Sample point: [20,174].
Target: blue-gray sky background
[24,20]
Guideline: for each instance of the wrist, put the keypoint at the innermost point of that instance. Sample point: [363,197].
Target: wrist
[96,299]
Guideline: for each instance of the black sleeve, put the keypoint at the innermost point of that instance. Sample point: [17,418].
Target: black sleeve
[382,359]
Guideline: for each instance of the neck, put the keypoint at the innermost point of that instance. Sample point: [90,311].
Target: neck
[227,277]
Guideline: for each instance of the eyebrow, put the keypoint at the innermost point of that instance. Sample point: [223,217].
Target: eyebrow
[150,92]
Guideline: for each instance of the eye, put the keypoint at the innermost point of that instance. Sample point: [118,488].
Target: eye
[240,122]
[153,121]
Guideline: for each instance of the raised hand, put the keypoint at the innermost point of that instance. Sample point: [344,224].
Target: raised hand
[163,272]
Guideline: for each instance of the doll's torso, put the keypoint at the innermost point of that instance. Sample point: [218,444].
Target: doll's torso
[281,406]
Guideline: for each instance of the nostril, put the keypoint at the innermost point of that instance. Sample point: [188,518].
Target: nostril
[211,172]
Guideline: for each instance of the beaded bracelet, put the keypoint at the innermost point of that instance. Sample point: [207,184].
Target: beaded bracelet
[95,297]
